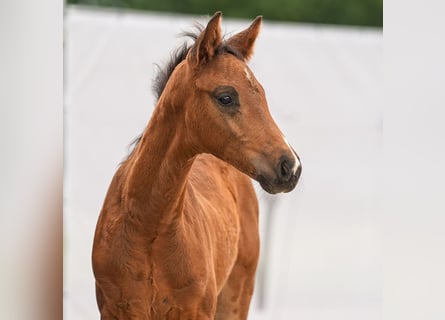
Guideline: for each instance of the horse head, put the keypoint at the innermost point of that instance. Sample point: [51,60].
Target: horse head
[226,111]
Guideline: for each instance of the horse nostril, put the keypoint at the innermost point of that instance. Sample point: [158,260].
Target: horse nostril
[285,169]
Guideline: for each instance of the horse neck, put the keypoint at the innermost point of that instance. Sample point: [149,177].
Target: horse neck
[158,169]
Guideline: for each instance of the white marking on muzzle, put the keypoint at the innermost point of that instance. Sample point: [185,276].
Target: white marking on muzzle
[297,162]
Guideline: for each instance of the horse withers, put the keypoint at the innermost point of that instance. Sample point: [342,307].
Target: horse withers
[177,237]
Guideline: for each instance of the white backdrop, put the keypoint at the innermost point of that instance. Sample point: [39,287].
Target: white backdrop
[324,87]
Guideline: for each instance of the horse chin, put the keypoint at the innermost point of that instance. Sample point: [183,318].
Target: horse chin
[274,186]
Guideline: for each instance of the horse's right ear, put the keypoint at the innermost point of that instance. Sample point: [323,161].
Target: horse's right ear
[244,41]
[208,41]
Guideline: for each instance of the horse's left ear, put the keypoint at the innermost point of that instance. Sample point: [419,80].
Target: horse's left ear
[244,41]
[208,41]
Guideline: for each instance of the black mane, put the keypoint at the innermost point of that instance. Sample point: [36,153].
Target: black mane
[178,55]
[163,74]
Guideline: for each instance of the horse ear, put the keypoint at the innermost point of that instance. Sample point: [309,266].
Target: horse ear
[208,41]
[244,41]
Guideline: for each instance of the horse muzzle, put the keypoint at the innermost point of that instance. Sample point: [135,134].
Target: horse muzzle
[287,174]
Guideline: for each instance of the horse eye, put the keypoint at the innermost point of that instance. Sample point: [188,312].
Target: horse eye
[225,100]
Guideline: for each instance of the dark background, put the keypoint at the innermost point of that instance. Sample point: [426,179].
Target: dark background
[343,12]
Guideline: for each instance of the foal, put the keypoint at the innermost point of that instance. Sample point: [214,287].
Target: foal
[177,237]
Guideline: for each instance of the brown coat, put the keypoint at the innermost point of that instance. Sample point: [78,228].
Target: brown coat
[177,237]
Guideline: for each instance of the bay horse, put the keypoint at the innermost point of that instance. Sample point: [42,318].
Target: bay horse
[177,237]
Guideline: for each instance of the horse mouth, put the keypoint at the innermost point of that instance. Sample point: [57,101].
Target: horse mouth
[274,186]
